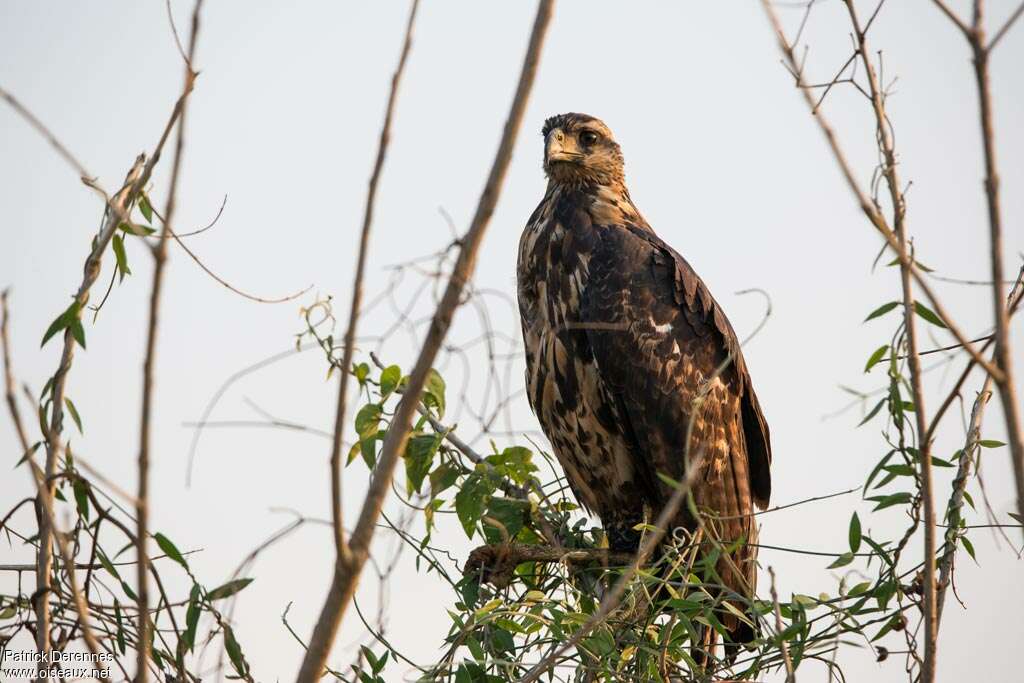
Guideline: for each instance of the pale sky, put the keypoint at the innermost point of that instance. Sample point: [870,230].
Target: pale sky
[721,157]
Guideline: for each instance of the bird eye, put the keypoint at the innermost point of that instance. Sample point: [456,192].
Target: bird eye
[588,137]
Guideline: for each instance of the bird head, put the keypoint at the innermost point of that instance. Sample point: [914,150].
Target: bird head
[580,150]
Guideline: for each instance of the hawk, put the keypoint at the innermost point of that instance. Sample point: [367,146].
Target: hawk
[631,364]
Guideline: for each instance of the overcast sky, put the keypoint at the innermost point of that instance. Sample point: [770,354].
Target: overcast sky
[722,158]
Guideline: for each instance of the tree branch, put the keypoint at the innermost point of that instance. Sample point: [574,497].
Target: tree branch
[340,546]
[159,258]
[346,576]
[887,147]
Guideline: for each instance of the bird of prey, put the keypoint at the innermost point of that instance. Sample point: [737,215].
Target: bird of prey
[631,365]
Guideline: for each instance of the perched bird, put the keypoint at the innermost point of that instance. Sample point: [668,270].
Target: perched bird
[631,365]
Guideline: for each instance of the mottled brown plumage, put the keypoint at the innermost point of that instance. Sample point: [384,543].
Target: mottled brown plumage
[631,364]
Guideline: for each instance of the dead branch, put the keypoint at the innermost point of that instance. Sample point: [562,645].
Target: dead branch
[340,547]
[889,171]
[876,218]
[346,576]
[159,258]
[9,390]
[1002,358]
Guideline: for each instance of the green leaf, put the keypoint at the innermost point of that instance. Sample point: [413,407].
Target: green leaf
[368,426]
[804,600]
[990,443]
[145,207]
[235,652]
[855,533]
[61,322]
[969,547]
[442,477]
[515,462]
[74,414]
[419,457]
[121,256]
[78,332]
[81,489]
[170,549]
[928,314]
[107,564]
[470,502]
[882,310]
[510,513]
[389,379]
[860,589]
[874,411]
[433,392]
[8,612]
[873,359]
[136,229]
[842,561]
[353,452]
[128,591]
[370,657]
[902,498]
[228,589]
[121,645]
[192,617]
[368,420]
[878,468]
[361,371]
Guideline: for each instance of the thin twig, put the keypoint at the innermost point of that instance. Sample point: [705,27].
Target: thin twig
[41,128]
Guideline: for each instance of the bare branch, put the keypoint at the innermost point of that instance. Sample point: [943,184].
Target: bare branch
[887,147]
[9,390]
[159,257]
[1003,357]
[45,132]
[951,15]
[867,206]
[1005,27]
[346,576]
[340,547]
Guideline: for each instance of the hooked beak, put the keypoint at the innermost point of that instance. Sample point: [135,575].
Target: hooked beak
[561,147]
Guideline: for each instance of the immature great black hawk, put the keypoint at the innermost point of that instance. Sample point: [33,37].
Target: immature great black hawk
[627,352]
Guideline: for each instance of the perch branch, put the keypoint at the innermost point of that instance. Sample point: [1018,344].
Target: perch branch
[496,562]
[614,597]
